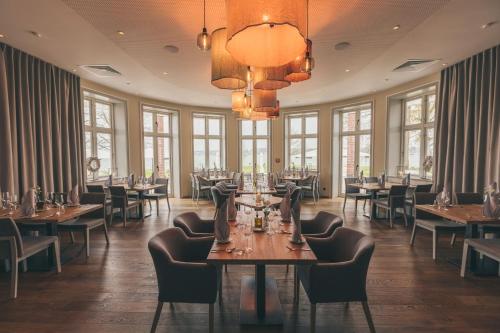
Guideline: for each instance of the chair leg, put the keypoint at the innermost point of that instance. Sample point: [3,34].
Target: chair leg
[124,216]
[356,206]
[157,316]
[313,318]
[413,233]
[14,276]
[72,237]
[465,256]
[168,202]
[150,207]
[390,217]
[157,207]
[345,199]
[24,264]
[453,238]
[296,285]
[368,316]
[142,215]
[405,218]
[211,318]
[364,205]
[87,241]
[106,232]
[434,244]
[57,256]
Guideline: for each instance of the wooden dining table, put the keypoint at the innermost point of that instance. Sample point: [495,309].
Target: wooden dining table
[249,200]
[259,299]
[471,215]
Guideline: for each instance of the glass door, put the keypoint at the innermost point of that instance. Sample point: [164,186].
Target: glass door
[254,146]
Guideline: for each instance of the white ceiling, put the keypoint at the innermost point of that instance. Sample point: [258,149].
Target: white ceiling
[77,32]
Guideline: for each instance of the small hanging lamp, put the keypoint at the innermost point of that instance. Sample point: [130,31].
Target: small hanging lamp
[294,72]
[308,64]
[204,40]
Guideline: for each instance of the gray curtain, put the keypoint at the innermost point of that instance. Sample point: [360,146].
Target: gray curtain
[467,153]
[41,130]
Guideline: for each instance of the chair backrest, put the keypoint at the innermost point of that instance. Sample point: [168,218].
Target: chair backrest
[8,228]
[423,198]
[95,188]
[348,181]
[326,222]
[236,177]
[308,181]
[118,196]
[193,181]
[371,179]
[88,198]
[467,198]
[398,190]
[163,189]
[423,188]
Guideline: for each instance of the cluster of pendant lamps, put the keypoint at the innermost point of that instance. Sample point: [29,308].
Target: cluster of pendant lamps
[263,48]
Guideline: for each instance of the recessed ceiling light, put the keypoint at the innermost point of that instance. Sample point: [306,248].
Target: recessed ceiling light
[444,64]
[172,48]
[121,33]
[342,46]
[396,27]
[74,70]
[347,70]
[386,79]
[2,35]
[36,34]
[127,83]
[165,73]
[489,24]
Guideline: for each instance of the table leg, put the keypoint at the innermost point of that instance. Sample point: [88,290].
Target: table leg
[51,230]
[488,266]
[260,295]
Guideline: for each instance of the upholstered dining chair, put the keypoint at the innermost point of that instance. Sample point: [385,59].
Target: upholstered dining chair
[89,221]
[16,249]
[159,193]
[120,200]
[322,225]
[468,198]
[95,188]
[182,275]
[394,200]
[433,223]
[410,197]
[193,225]
[355,193]
[340,274]
[202,186]
[308,186]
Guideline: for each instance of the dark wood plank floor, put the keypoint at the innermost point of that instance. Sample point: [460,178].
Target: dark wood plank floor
[115,289]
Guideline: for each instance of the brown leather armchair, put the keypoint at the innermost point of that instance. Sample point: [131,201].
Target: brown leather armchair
[193,225]
[181,274]
[322,225]
[340,275]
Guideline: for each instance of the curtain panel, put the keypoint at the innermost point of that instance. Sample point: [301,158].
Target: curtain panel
[467,152]
[41,129]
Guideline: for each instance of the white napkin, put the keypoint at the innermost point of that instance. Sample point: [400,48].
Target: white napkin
[491,206]
[285,207]
[131,181]
[270,180]
[231,209]
[297,231]
[221,225]
[381,180]
[28,204]
[74,196]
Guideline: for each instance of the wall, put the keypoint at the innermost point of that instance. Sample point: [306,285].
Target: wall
[379,100]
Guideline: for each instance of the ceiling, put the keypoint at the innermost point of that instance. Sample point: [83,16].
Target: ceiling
[78,32]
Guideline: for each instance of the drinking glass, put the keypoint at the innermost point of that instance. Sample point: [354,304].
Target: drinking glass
[247,233]
[13,204]
[59,201]
[6,199]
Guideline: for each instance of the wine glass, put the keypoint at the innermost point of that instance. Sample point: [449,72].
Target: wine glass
[247,232]
[6,199]
[13,204]
[59,201]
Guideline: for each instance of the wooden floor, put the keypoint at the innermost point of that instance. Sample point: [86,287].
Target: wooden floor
[115,289]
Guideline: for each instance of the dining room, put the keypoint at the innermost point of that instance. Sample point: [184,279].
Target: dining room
[249,166]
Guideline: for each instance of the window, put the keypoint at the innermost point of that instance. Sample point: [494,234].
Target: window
[302,140]
[157,130]
[418,133]
[99,135]
[355,141]
[255,146]
[208,141]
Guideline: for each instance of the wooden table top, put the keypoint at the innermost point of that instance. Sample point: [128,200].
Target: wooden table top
[267,249]
[375,186]
[294,179]
[140,188]
[249,201]
[49,215]
[217,179]
[465,214]
[254,191]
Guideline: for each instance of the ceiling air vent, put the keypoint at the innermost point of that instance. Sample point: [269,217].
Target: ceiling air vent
[101,70]
[415,65]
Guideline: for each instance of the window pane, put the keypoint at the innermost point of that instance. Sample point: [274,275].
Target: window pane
[348,158]
[429,148]
[296,153]
[295,126]
[214,126]
[163,158]
[198,126]
[247,156]
[364,154]
[349,121]
[261,155]
[412,151]
[104,145]
[311,151]
[147,119]
[88,144]
[431,108]
[162,122]
[413,112]
[102,115]
[261,127]
[365,119]
[149,160]
[214,156]
[86,113]
[312,125]
[199,154]
[246,127]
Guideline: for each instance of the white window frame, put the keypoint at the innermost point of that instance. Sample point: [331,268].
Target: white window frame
[156,135]
[254,137]
[422,126]
[221,137]
[302,136]
[94,130]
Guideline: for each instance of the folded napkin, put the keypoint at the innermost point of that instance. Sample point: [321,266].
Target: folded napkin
[241,184]
[381,179]
[297,230]
[443,198]
[28,204]
[221,225]
[131,180]
[270,181]
[491,206]
[231,209]
[361,176]
[74,196]
[285,207]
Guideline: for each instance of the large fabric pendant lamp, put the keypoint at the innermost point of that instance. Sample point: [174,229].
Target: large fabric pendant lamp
[270,78]
[294,72]
[204,41]
[264,100]
[227,73]
[238,101]
[266,33]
